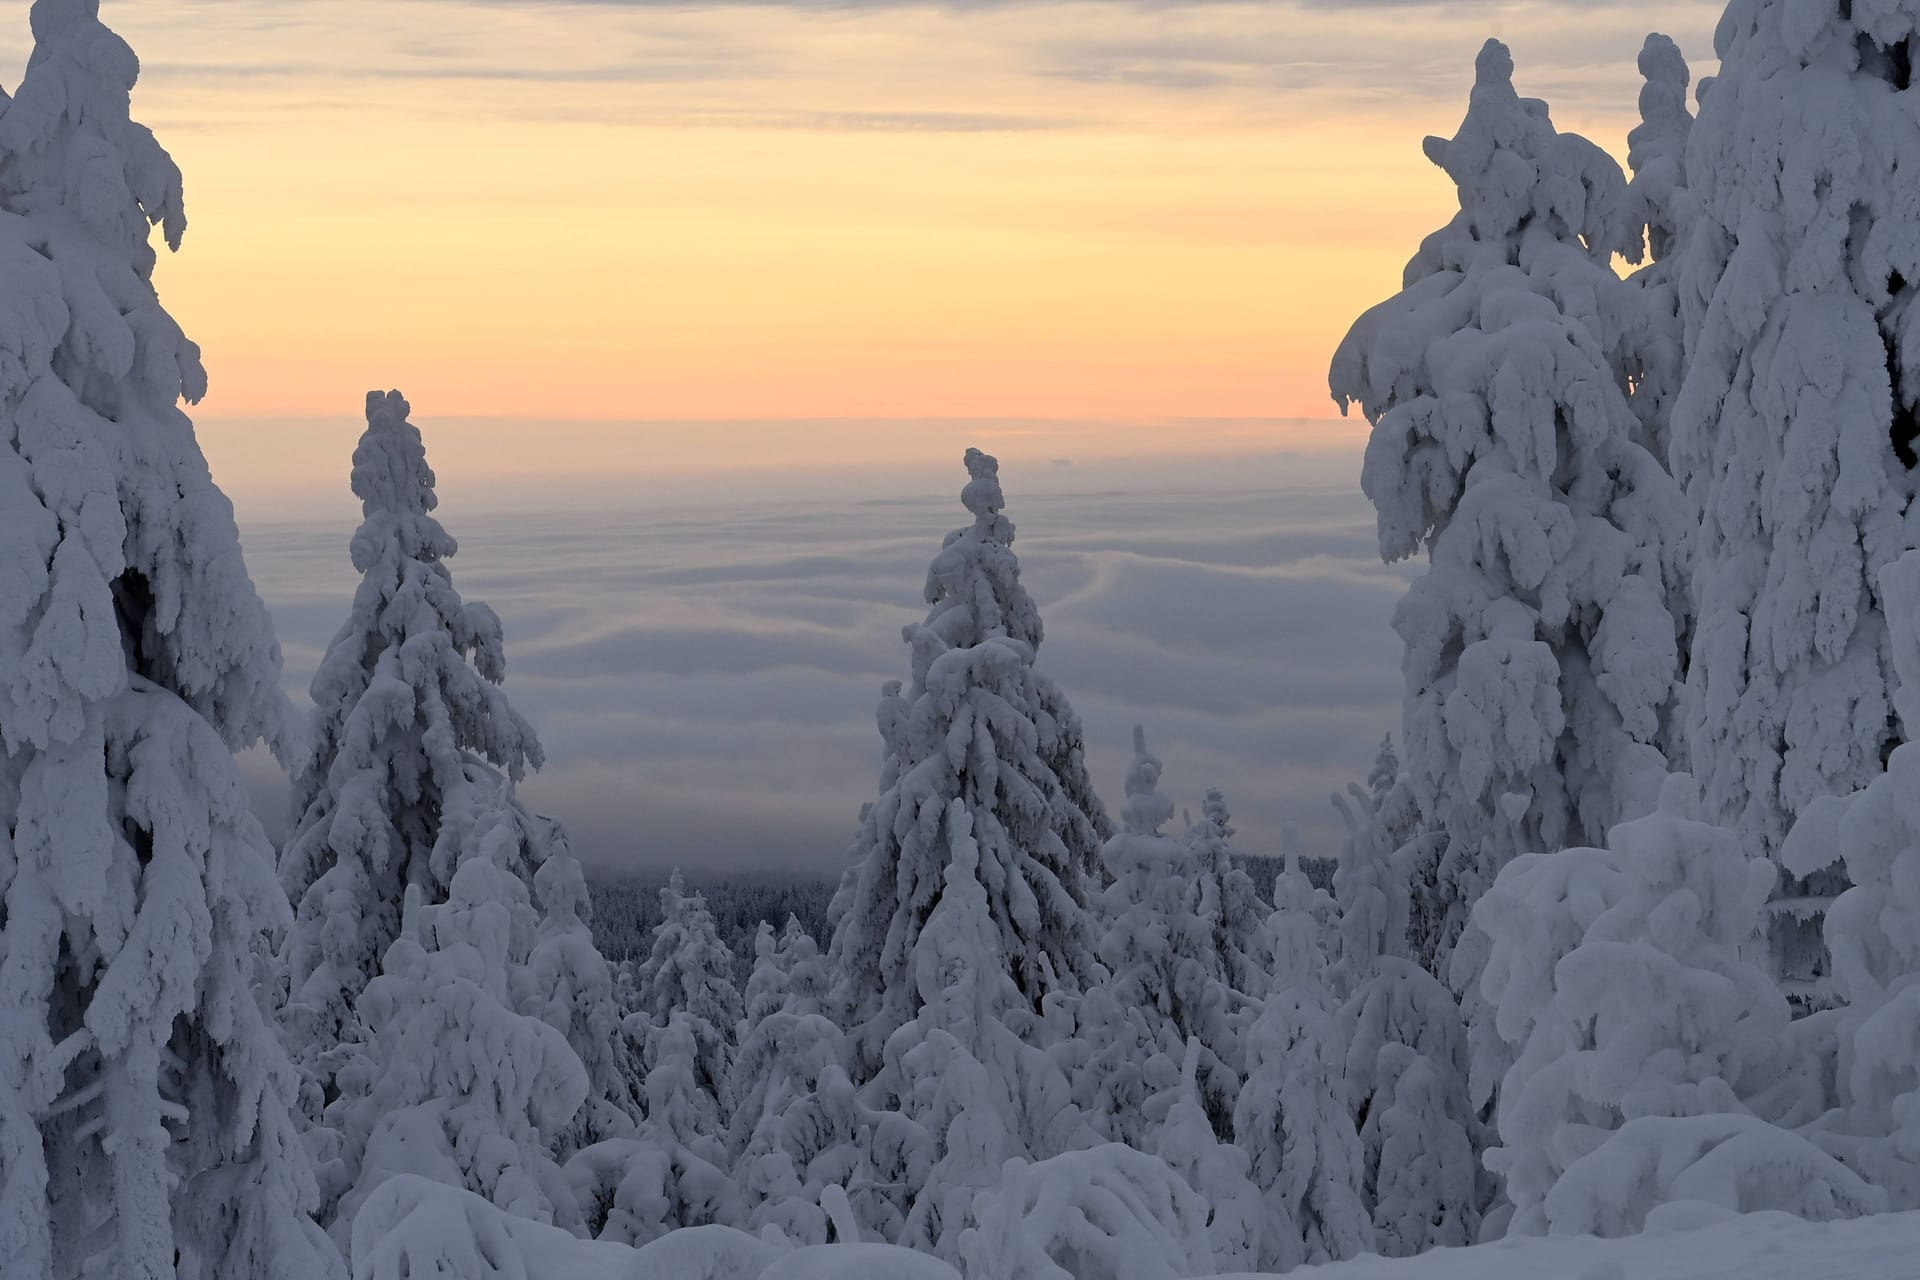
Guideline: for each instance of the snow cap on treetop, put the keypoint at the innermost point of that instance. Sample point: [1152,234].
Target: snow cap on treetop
[1146,810]
[72,142]
[982,495]
[1664,118]
[1215,812]
[390,471]
[1665,93]
[974,583]
[52,17]
[1512,166]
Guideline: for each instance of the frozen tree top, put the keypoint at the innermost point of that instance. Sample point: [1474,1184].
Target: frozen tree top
[1663,96]
[974,583]
[1514,169]
[395,487]
[982,495]
[69,141]
[390,471]
[1146,810]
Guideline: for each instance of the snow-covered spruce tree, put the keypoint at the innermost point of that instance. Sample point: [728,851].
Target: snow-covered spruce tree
[1794,429]
[767,982]
[982,726]
[1168,982]
[569,985]
[1398,874]
[452,1080]
[1661,207]
[690,972]
[408,715]
[1292,1117]
[1873,931]
[1652,1061]
[1541,642]
[965,1070]
[1225,896]
[786,1046]
[1374,898]
[147,1111]
[675,1171]
[1406,1069]
[1184,1137]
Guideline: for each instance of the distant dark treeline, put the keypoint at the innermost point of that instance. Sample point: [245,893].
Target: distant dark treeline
[627,908]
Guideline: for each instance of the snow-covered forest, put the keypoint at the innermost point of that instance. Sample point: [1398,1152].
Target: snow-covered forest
[1624,938]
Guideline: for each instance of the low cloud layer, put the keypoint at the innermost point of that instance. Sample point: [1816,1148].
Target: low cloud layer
[704,678]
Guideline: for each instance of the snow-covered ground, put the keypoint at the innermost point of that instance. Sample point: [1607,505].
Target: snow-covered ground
[1759,1246]
[424,1229]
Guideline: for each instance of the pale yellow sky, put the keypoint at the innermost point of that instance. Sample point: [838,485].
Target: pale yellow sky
[624,211]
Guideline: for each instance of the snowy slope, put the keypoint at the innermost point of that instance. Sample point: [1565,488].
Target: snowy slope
[419,1227]
[1760,1246]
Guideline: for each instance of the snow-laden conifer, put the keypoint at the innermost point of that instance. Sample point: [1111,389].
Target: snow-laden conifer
[1165,946]
[1659,1014]
[1542,638]
[675,1170]
[1406,1069]
[147,1124]
[966,1070]
[787,1049]
[982,726]
[1661,208]
[1794,429]
[1184,1137]
[452,1081]
[766,987]
[1373,895]
[569,985]
[1223,895]
[408,716]
[1292,1117]
[689,974]
[1873,931]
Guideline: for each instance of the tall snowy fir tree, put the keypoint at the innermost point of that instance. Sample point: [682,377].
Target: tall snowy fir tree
[1873,931]
[675,1169]
[409,723]
[787,1048]
[1660,205]
[1291,1117]
[1224,896]
[569,985]
[1178,964]
[982,726]
[147,1112]
[1406,1071]
[1542,639]
[966,1070]
[1794,430]
[689,974]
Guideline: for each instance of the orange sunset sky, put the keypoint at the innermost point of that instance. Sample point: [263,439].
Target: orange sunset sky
[760,210]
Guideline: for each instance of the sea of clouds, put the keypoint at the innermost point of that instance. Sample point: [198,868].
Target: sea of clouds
[703,665]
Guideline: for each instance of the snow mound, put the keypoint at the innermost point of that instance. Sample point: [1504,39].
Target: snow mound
[855,1262]
[1111,1213]
[412,1227]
